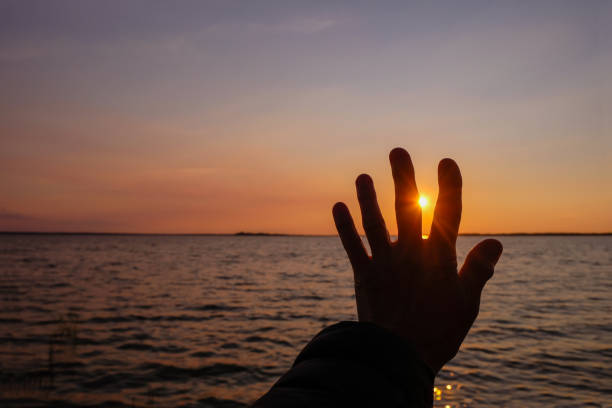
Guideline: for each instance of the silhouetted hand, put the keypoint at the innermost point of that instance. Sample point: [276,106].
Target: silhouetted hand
[411,287]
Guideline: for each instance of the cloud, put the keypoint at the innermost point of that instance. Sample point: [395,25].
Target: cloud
[6,216]
[299,26]
[15,221]
[307,25]
[95,222]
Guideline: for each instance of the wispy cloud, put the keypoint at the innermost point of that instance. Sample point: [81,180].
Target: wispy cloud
[6,215]
[307,25]
[16,221]
[299,26]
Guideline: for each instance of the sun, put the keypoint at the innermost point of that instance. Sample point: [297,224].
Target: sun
[423,201]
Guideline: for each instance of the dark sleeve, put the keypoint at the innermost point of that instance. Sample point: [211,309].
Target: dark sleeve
[354,364]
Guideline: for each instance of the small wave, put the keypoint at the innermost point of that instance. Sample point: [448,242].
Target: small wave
[485,377]
[28,308]
[220,403]
[265,329]
[295,316]
[68,365]
[24,340]
[135,346]
[105,381]
[215,307]
[202,354]
[481,350]
[330,266]
[171,372]
[140,318]
[309,297]
[10,320]
[259,339]
[59,285]
[164,392]
[554,357]
[230,346]
[170,349]
[93,353]
[531,332]
[34,259]
[10,290]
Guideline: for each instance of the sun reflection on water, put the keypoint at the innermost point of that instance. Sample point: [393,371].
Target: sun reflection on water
[445,393]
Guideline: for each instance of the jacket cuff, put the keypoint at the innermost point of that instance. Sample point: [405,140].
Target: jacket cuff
[380,350]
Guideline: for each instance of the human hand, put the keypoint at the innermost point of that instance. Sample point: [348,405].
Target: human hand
[411,287]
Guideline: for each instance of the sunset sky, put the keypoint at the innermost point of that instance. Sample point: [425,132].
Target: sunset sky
[225,116]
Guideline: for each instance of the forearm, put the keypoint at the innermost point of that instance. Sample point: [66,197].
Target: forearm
[357,364]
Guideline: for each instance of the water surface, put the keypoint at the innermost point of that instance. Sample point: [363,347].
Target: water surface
[213,321]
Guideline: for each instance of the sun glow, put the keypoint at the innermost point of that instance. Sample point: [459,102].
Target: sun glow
[423,201]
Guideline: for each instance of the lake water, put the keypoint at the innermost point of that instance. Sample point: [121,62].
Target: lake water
[213,321]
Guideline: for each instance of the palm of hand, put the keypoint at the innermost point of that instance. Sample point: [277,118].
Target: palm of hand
[412,287]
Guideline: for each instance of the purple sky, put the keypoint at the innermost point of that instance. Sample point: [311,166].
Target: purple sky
[194,116]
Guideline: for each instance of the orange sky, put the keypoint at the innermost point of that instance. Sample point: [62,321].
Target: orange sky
[209,120]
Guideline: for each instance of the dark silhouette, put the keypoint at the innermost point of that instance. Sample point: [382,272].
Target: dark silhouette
[414,307]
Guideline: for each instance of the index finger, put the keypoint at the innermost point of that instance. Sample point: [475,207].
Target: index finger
[352,243]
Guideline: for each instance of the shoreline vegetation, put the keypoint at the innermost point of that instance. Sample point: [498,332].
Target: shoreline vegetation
[272,234]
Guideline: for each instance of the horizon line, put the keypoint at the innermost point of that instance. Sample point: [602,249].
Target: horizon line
[273,234]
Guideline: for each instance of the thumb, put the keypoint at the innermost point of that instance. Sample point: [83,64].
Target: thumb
[479,265]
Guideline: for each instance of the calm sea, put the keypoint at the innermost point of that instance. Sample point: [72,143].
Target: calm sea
[213,321]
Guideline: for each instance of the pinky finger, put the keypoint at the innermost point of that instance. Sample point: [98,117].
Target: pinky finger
[352,243]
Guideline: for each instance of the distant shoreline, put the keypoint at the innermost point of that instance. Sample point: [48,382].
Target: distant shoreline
[269,234]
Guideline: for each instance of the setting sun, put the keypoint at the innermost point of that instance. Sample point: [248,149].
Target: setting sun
[423,201]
